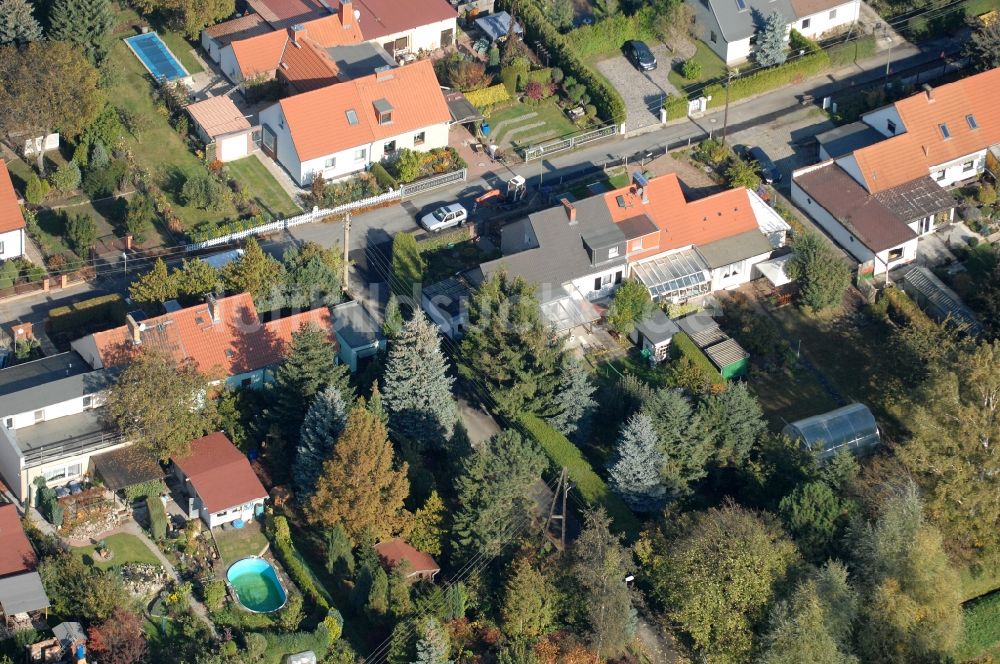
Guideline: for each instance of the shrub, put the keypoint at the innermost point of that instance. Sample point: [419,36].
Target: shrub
[607,35]
[81,231]
[556,75]
[468,75]
[105,309]
[986,195]
[691,70]
[562,453]
[139,217]
[36,190]
[541,76]
[677,106]
[382,177]
[533,91]
[215,594]
[147,489]
[682,346]
[494,94]
[407,165]
[67,177]
[102,182]
[284,549]
[202,191]
[508,78]
[157,517]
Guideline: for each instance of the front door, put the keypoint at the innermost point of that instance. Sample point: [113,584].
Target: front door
[269,142]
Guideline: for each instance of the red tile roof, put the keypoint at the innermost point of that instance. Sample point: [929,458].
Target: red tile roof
[922,146]
[220,473]
[318,121]
[289,49]
[381,18]
[393,552]
[245,26]
[307,68]
[16,554]
[261,54]
[218,116]
[10,210]
[237,343]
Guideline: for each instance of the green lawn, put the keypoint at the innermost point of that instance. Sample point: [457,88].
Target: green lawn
[161,149]
[254,177]
[712,67]
[127,549]
[181,48]
[790,394]
[556,123]
[237,544]
[980,629]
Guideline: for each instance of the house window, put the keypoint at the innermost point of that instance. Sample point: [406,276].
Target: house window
[969,166]
[833,13]
[389,147]
[40,415]
[385,118]
[945,132]
[712,37]
[352,116]
[637,245]
[891,126]
[330,162]
[618,277]
[1,248]
[606,280]
[613,252]
[9,422]
[895,254]
[418,139]
[939,176]
[246,382]
[806,22]
[88,402]
[360,155]
[62,472]
[269,139]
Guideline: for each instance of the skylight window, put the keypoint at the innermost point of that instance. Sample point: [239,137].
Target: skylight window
[742,4]
[944,130]
[971,119]
[352,117]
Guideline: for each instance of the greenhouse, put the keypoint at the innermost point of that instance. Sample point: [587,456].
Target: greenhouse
[852,427]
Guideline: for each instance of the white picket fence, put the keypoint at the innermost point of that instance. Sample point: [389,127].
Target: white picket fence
[420,186]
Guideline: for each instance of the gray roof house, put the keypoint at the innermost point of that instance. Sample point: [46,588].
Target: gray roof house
[358,334]
[51,420]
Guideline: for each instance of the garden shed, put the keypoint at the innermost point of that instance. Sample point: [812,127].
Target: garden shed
[939,301]
[223,128]
[653,334]
[358,334]
[497,26]
[728,356]
[851,427]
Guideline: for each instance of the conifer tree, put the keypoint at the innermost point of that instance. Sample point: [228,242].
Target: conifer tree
[433,646]
[258,274]
[683,443]
[428,525]
[155,287]
[17,22]
[771,42]
[735,421]
[339,557]
[85,23]
[393,319]
[635,472]
[528,607]
[375,406]
[416,386]
[574,400]
[323,423]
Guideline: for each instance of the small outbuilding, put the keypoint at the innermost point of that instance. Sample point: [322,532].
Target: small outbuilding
[653,335]
[940,302]
[397,552]
[851,427]
[223,128]
[497,26]
[358,334]
[726,354]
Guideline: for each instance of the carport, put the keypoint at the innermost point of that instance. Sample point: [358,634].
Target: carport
[125,467]
[461,109]
[23,593]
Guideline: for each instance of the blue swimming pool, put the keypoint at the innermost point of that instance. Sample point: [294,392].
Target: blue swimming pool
[156,57]
[257,585]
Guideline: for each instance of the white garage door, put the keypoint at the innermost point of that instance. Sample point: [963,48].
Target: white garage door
[232,148]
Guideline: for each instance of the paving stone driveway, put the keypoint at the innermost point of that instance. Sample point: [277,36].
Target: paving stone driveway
[643,92]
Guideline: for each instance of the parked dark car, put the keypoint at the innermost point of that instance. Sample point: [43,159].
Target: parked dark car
[639,55]
[768,171]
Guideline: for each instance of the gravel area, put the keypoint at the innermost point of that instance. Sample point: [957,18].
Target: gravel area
[643,92]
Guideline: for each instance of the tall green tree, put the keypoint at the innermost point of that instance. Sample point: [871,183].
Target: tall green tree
[685,446]
[196,278]
[155,287]
[741,173]
[814,623]
[735,422]
[815,516]
[510,348]
[323,424]
[600,565]
[983,47]
[528,609]
[160,405]
[634,474]
[308,367]
[630,304]
[718,577]
[86,23]
[74,589]
[339,554]
[492,493]
[256,273]
[17,22]
[822,275]
[416,387]
[771,49]
[428,526]
[912,608]
[407,269]
[433,646]
[312,276]
[559,13]
[81,231]
[139,215]
[574,401]
[393,319]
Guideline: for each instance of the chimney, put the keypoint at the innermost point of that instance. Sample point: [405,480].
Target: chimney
[134,330]
[570,210]
[641,182]
[929,90]
[346,14]
[213,308]
[298,30]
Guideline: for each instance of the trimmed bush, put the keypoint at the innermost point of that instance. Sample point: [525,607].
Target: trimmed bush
[494,94]
[282,540]
[683,347]
[215,594]
[691,70]
[605,37]
[157,517]
[382,177]
[542,76]
[903,310]
[149,489]
[563,453]
[104,309]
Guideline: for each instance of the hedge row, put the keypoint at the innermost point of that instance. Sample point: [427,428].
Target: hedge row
[563,453]
[564,55]
[382,176]
[281,538]
[794,71]
[903,310]
[683,346]
[494,94]
[606,37]
[104,309]
[157,517]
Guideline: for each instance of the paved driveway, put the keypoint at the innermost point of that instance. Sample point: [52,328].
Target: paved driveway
[643,92]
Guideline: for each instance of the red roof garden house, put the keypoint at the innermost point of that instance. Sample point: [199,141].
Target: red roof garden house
[21,590]
[219,481]
[11,220]
[418,565]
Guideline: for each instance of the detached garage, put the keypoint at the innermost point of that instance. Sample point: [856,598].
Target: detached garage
[223,128]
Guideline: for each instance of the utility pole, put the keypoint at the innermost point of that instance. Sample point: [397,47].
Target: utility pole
[347,245]
[125,258]
[562,487]
[888,62]
[730,73]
